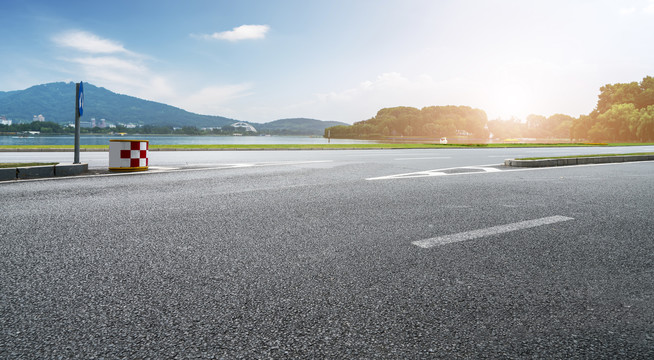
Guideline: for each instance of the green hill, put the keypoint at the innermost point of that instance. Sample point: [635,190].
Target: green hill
[56,102]
[296,126]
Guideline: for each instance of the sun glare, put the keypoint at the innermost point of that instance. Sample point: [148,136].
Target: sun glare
[511,100]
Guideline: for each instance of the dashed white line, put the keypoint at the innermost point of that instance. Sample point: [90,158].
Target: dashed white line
[495,230]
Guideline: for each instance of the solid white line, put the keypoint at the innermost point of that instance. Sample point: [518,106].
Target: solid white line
[495,230]
[425,158]
[163,170]
[486,169]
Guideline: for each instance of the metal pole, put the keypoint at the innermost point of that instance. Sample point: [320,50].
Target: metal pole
[77,127]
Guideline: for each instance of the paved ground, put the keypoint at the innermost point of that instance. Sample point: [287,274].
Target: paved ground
[422,159]
[282,256]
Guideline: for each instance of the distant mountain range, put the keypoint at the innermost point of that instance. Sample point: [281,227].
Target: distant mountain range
[297,126]
[56,102]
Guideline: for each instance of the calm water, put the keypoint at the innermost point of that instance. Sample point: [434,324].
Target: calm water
[172,140]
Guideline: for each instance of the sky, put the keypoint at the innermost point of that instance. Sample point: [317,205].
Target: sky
[338,60]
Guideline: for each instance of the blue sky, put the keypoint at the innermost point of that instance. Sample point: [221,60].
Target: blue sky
[333,60]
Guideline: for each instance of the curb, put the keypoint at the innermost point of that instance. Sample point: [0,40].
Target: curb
[36,172]
[577,161]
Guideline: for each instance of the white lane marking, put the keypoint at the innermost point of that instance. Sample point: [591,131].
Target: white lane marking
[486,169]
[160,169]
[381,153]
[261,164]
[495,230]
[424,158]
[440,172]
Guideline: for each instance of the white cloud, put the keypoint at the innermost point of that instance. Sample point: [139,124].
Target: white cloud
[212,99]
[87,42]
[110,63]
[392,81]
[650,7]
[386,90]
[107,63]
[627,11]
[243,32]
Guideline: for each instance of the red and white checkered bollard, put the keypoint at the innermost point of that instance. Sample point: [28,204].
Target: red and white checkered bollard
[128,155]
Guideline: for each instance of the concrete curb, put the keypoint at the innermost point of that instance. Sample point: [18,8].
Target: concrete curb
[36,172]
[577,161]
[70,169]
[32,172]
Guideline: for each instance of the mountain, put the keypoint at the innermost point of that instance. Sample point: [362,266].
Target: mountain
[56,102]
[296,126]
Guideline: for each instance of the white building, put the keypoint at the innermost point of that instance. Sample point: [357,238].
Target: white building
[244,126]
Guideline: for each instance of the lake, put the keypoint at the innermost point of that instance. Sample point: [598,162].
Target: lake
[172,140]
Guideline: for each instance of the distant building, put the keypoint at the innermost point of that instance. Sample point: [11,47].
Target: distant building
[244,126]
[93,122]
[39,118]
[128,126]
[4,121]
[103,124]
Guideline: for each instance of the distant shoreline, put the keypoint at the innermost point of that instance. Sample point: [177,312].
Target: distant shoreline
[219,147]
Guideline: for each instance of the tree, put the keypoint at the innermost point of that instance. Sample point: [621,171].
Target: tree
[599,132]
[621,114]
[538,127]
[408,130]
[430,129]
[645,130]
[646,96]
[559,126]
[621,121]
[617,94]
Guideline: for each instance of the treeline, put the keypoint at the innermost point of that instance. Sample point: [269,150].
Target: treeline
[537,126]
[52,128]
[624,112]
[44,127]
[432,121]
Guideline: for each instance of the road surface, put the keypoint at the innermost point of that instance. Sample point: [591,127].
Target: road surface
[331,254]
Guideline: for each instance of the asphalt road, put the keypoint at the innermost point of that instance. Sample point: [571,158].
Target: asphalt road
[313,255]
[419,157]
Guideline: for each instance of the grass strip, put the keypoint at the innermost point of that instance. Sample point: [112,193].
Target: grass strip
[583,156]
[14,165]
[53,146]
